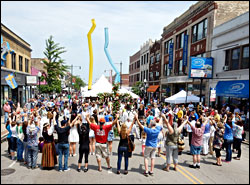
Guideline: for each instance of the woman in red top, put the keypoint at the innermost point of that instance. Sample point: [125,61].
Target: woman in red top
[101,135]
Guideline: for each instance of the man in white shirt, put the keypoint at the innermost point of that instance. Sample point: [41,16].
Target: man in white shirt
[157,111]
[191,106]
[236,109]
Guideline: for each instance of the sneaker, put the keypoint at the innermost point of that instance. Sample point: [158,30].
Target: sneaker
[197,166]
[192,166]
[74,155]
[126,172]
[118,172]
[93,153]
[67,170]
[29,167]
[145,174]
[236,158]
[60,170]
[85,170]
[79,169]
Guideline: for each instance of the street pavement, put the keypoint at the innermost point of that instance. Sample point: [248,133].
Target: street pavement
[233,173]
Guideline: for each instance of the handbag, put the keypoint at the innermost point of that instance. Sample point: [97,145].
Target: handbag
[181,144]
[131,145]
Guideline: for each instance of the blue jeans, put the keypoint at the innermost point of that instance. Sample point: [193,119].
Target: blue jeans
[63,149]
[25,147]
[228,146]
[122,150]
[6,116]
[32,156]
[19,149]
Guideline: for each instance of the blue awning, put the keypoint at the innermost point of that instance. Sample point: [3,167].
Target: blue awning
[236,88]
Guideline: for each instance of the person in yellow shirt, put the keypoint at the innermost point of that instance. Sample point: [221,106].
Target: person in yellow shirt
[216,115]
[180,115]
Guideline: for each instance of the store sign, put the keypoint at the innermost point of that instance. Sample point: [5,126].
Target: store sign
[212,95]
[201,67]
[171,56]
[235,88]
[31,79]
[185,50]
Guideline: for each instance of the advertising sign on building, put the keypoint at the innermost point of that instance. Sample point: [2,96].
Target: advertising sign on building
[201,67]
[171,56]
[31,79]
[185,50]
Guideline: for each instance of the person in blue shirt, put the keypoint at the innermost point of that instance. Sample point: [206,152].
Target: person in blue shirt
[151,144]
[228,137]
[149,118]
[107,116]
[193,113]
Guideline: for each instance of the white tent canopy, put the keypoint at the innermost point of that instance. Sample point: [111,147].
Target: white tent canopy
[123,91]
[101,86]
[104,86]
[180,97]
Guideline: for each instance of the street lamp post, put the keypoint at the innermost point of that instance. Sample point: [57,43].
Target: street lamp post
[72,74]
[39,79]
[145,84]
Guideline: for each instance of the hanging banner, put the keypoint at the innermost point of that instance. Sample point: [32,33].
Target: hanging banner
[185,50]
[171,56]
[11,81]
[213,95]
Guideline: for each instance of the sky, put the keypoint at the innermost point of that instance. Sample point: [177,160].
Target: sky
[129,23]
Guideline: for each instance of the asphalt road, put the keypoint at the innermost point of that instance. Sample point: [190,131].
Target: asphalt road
[233,173]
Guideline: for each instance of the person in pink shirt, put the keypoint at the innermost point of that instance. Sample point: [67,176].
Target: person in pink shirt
[196,142]
[7,110]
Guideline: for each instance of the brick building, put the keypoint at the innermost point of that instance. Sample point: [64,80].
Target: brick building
[134,69]
[198,23]
[154,69]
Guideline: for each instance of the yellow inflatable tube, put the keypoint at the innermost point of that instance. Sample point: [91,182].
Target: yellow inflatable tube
[90,54]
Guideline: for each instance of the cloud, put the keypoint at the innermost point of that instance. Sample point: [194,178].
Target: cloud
[130,25]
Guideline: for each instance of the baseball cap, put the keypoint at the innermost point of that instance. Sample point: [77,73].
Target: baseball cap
[102,120]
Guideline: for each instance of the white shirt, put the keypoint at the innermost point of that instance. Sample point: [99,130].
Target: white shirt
[228,108]
[157,112]
[212,131]
[133,130]
[66,113]
[191,107]
[236,110]
[188,126]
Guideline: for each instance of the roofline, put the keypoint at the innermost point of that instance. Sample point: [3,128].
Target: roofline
[15,34]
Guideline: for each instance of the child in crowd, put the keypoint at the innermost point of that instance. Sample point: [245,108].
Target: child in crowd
[40,144]
[143,141]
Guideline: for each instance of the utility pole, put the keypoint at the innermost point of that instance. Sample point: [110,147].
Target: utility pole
[121,74]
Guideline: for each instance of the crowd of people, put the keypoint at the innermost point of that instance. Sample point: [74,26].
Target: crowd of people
[54,126]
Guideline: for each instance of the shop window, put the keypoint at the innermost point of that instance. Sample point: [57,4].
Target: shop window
[199,31]
[151,60]
[26,65]
[158,57]
[180,40]
[237,58]
[167,46]
[20,63]
[179,67]
[245,58]
[141,60]
[13,61]
[147,58]
[138,64]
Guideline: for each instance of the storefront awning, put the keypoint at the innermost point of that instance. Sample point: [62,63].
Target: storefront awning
[236,88]
[152,88]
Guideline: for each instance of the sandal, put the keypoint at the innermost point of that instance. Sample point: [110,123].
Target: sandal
[217,164]
[165,169]
[100,170]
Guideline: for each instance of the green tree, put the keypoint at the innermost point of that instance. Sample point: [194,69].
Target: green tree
[54,65]
[78,83]
[137,88]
